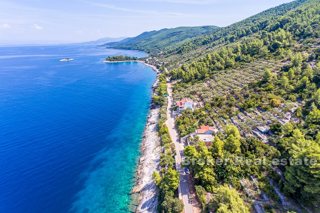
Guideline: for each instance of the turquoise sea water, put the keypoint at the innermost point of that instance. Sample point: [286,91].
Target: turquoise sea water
[69,132]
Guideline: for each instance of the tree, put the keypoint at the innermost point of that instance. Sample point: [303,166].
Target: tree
[191,153]
[276,128]
[157,100]
[233,139]
[170,180]
[304,82]
[156,178]
[166,160]
[298,112]
[227,200]
[308,72]
[267,76]
[318,138]
[317,98]
[275,101]
[297,60]
[171,204]
[201,164]
[206,177]
[217,148]
[284,81]
[287,129]
[202,195]
[233,130]
[303,179]
[314,115]
[232,144]
[291,74]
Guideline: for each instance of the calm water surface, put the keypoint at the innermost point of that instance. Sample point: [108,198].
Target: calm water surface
[69,131]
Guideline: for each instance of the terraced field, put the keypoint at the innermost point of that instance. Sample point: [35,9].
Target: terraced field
[233,81]
[226,81]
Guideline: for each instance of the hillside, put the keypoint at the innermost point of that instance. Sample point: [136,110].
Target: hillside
[156,41]
[247,27]
[256,84]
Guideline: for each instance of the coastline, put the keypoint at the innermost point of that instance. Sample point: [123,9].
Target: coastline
[115,62]
[151,66]
[137,61]
[145,192]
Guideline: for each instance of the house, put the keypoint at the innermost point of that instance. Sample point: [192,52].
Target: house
[194,137]
[206,130]
[185,104]
[205,134]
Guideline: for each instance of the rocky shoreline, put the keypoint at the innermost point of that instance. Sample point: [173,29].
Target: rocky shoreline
[145,192]
[137,61]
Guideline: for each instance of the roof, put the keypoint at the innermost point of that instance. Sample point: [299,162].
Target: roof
[204,129]
[188,105]
[185,101]
[206,138]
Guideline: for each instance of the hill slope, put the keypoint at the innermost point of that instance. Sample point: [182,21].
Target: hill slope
[184,43]
[271,19]
[157,41]
[257,83]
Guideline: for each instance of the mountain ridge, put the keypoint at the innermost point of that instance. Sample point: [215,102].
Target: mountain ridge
[157,41]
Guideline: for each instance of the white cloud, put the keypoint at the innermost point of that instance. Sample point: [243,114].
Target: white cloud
[37,27]
[5,26]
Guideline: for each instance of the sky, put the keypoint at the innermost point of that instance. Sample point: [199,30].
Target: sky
[65,21]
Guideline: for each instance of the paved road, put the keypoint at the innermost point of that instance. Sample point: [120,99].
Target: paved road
[184,186]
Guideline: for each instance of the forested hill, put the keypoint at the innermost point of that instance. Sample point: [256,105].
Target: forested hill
[257,84]
[298,26]
[235,31]
[181,44]
[157,41]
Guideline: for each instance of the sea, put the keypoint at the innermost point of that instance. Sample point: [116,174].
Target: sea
[70,132]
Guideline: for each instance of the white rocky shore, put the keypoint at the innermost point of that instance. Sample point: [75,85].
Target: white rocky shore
[145,191]
[145,188]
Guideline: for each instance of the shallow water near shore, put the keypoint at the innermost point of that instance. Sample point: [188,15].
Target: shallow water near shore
[70,131]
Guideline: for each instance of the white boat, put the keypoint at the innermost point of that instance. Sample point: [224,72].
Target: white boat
[66,59]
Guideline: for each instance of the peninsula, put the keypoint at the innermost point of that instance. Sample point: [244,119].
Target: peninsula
[120,58]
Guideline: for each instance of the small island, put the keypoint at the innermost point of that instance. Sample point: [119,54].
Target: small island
[120,58]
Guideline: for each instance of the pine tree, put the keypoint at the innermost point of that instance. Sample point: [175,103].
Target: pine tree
[232,143]
[227,200]
[217,148]
[303,180]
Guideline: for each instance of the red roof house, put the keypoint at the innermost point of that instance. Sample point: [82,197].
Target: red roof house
[208,130]
[185,103]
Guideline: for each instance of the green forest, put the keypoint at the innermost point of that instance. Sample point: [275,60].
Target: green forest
[120,58]
[263,71]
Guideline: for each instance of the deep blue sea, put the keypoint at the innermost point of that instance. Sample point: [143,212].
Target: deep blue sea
[70,132]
